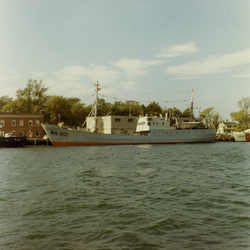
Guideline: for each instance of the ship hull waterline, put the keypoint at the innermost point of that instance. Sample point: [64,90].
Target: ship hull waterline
[65,137]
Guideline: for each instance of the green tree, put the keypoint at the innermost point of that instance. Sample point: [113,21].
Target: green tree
[116,107]
[242,116]
[103,107]
[211,116]
[79,114]
[142,110]
[16,106]
[173,112]
[186,112]
[30,99]
[68,110]
[154,109]
[58,108]
[130,108]
[4,100]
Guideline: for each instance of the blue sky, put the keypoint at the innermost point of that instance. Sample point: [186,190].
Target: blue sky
[138,50]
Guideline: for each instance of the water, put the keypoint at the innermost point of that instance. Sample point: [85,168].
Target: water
[179,196]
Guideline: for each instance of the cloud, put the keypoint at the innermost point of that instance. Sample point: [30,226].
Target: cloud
[10,82]
[136,67]
[76,73]
[212,65]
[187,78]
[74,80]
[178,50]
[37,75]
[129,85]
[241,76]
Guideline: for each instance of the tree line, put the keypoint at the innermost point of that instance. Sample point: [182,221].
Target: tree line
[34,98]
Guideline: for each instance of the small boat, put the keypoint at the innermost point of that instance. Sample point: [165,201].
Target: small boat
[242,136]
[149,130]
[12,141]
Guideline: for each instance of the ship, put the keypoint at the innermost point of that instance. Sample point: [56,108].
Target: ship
[242,136]
[149,130]
[12,141]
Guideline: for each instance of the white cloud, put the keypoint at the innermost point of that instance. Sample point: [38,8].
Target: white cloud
[241,76]
[212,65]
[187,78]
[75,80]
[76,73]
[37,75]
[178,50]
[129,85]
[10,83]
[136,67]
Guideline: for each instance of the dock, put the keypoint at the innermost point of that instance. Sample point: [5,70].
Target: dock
[224,138]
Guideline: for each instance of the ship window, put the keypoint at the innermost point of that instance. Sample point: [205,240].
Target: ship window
[130,120]
[153,123]
[117,120]
[164,133]
[149,123]
[163,123]
[157,123]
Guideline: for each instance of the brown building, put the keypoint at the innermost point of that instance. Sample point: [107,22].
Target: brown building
[20,124]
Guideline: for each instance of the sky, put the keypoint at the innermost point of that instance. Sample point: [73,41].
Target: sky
[143,50]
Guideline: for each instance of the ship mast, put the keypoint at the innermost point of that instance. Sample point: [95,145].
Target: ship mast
[96,102]
[192,106]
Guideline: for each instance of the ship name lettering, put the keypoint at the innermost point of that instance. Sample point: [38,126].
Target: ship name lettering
[63,134]
[54,132]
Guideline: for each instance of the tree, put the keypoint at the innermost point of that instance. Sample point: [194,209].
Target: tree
[33,96]
[116,107]
[130,108]
[16,106]
[211,116]
[30,99]
[242,116]
[186,112]
[142,110]
[4,100]
[103,107]
[58,108]
[153,109]
[68,110]
[79,114]
[173,112]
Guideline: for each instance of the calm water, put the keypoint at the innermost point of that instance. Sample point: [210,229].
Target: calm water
[183,196]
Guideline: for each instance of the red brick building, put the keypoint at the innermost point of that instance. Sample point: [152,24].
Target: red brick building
[21,124]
